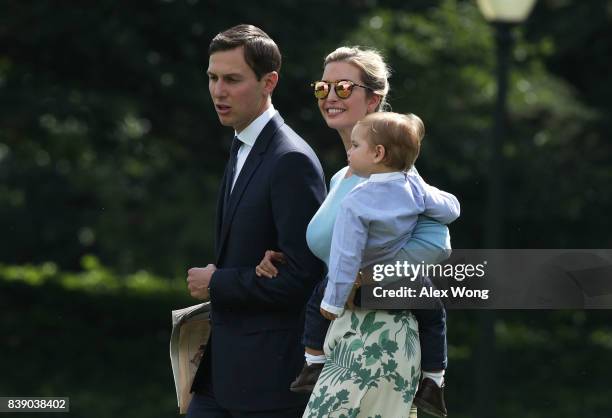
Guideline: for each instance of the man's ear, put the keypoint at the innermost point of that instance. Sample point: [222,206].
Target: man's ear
[379,153]
[270,80]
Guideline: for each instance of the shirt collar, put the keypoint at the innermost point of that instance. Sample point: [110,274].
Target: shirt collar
[394,175]
[249,134]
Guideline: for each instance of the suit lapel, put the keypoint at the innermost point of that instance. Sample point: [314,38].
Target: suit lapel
[249,168]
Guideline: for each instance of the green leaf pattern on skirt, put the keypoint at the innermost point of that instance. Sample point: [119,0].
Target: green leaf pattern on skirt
[372,368]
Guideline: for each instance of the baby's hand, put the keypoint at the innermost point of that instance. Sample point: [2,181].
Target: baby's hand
[266,267]
[328,315]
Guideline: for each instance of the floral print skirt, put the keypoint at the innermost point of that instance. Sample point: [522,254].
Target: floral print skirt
[372,368]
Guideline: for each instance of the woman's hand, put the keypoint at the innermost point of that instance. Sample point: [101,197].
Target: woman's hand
[350,302]
[327,315]
[266,266]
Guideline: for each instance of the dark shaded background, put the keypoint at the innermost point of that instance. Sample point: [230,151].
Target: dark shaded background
[111,153]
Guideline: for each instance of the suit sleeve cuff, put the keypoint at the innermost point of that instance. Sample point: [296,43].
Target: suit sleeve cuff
[211,284]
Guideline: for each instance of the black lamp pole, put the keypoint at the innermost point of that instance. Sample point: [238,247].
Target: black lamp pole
[493,237]
[495,205]
[504,15]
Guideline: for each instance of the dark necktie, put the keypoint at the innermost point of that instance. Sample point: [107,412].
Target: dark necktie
[232,168]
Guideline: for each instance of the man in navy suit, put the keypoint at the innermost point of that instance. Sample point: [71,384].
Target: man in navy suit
[272,186]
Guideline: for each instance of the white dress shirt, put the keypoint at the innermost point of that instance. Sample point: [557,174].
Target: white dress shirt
[248,136]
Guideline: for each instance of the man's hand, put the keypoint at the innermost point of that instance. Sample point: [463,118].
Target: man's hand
[198,281]
[327,315]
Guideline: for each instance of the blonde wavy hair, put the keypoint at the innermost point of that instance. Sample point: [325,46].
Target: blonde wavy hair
[375,72]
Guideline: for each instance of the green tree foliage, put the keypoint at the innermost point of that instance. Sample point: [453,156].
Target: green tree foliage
[444,62]
[109,144]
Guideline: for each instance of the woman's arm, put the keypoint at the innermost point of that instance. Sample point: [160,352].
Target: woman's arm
[441,206]
[430,244]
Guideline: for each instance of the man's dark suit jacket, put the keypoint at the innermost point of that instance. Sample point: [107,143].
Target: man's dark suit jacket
[255,346]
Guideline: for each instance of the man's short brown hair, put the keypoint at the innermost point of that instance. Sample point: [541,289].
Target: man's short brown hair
[260,52]
[401,135]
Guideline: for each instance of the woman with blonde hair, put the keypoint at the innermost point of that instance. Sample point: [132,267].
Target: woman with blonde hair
[372,359]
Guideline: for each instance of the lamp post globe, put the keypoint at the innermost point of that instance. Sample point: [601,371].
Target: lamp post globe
[508,11]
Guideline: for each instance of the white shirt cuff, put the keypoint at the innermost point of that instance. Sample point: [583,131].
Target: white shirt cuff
[333,309]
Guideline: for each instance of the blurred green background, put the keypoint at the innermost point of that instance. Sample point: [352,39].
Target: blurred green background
[111,154]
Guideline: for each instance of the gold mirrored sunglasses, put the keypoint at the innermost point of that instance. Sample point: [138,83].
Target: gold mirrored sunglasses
[343,88]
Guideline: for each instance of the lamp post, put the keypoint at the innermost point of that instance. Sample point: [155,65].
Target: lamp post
[503,15]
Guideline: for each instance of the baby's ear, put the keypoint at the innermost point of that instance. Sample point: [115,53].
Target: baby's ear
[379,153]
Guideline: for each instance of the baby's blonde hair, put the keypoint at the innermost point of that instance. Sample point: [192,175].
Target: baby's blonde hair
[401,135]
